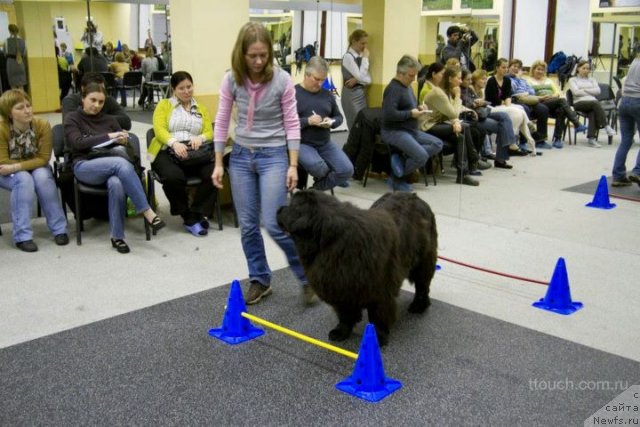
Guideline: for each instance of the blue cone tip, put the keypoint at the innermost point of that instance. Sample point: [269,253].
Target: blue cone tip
[235,329]
[558,296]
[601,197]
[368,381]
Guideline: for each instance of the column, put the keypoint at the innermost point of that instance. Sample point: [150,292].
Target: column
[34,20]
[394,30]
[203,33]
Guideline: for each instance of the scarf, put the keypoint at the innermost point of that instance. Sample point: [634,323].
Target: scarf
[22,146]
[254,90]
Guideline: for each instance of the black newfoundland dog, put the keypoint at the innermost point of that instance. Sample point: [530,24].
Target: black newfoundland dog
[357,259]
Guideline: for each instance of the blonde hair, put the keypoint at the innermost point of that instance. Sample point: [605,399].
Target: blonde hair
[477,75]
[250,33]
[452,62]
[539,63]
[9,99]
[119,57]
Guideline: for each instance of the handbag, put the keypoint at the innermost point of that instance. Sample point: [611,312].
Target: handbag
[114,150]
[528,100]
[468,116]
[201,156]
[483,113]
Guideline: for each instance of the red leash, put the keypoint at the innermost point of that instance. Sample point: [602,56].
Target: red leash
[486,270]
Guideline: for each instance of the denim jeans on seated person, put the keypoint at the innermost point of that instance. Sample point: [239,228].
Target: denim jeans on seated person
[259,185]
[121,180]
[500,124]
[327,163]
[24,186]
[416,146]
[629,113]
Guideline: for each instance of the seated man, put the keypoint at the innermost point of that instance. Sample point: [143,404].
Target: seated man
[111,107]
[318,112]
[523,94]
[400,112]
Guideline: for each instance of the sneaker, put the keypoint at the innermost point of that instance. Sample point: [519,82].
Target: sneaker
[402,185]
[591,142]
[581,128]
[634,178]
[557,144]
[488,156]
[467,180]
[475,173]
[309,297]
[483,165]
[397,165]
[256,292]
[543,145]
[27,246]
[621,182]
[609,130]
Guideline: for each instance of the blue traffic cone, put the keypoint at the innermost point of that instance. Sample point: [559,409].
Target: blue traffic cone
[326,84]
[235,328]
[119,47]
[558,297]
[331,85]
[438,267]
[601,198]
[368,381]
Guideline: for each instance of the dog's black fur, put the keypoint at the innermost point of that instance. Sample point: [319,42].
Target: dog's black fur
[357,259]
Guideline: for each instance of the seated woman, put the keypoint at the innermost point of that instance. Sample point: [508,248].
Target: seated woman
[119,67]
[498,94]
[88,127]
[181,124]
[432,78]
[497,122]
[318,112]
[584,90]
[549,94]
[25,150]
[443,121]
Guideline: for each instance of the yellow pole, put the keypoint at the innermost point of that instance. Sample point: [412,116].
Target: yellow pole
[299,336]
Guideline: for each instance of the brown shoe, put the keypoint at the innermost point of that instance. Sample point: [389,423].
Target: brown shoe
[256,292]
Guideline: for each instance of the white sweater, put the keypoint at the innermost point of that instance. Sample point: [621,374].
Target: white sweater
[584,89]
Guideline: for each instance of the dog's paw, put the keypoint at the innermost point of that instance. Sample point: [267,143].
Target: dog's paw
[419,306]
[340,333]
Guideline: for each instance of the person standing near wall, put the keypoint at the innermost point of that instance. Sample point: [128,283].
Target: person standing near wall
[355,75]
[16,52]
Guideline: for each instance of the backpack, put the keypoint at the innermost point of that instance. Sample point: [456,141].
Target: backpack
[566,70]
[556,61]
[304,54]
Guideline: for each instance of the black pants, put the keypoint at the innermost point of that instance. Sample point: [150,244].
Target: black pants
[539,113]
[464,154]
[174,184]
[595,113]
[561,111]
[147,92]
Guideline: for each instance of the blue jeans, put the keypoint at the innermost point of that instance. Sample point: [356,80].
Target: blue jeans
[327,163]
[415,145]
[499,123]
[24,185]
[259,185]
[629,113]
[121,180]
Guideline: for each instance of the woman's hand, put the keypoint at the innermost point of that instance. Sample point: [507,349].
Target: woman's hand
[216,176]
[416,112]
[455,92]
[478,102]
[8,169]
[351,82]
[196,142]
[457,127]
[120,137]
[365,53]
[180,149]
[292,178]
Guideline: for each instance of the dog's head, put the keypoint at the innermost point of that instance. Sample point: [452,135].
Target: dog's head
[310,218]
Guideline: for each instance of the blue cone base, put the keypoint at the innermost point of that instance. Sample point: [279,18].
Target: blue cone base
[601,205]
[572,308]
[223,335]
[438,267]
[351,386]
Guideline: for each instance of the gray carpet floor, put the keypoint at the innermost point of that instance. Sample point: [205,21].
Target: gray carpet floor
[158,366]
[631,192]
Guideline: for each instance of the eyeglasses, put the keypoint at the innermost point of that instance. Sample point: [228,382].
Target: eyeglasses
[195,112]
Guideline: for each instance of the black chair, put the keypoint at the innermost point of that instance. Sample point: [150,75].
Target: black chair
[132,80]
[580,114]
[80,188]
[159,85]
[303,179]
[109,82]
[382,150]
[192,181]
